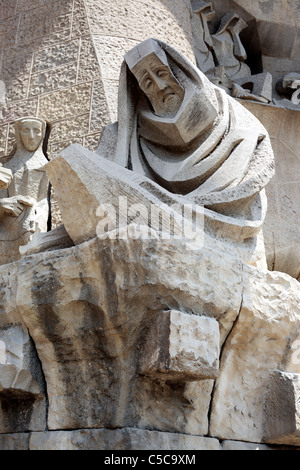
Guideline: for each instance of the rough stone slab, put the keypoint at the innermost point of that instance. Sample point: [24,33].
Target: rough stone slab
[46,241]
[182,347]
[67,103]
[18,441]
[282,225]
[281,409]
[85,313]
[263,339]
[119,439]
[239,445]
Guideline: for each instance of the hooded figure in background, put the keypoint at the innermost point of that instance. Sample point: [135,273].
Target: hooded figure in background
[24,204]
[178,129]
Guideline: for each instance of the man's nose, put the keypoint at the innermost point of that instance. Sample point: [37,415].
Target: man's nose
[161,84]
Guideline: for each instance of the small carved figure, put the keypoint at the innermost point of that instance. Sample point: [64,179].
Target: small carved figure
[228,47]
[24,204]
[203,14]
[221,56]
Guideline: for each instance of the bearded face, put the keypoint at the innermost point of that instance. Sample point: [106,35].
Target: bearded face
[157,81]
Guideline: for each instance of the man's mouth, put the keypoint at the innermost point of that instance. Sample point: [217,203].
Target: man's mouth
[168,97]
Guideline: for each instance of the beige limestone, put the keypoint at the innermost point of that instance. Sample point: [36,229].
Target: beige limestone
[264,338]
[197,145]
[68,316]
[99,325]
[182,348]
[24,204]
[50,52]
[89,309]
[282,224]
[272,36]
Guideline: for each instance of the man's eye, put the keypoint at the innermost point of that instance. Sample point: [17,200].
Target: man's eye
[148,83]
[162,74]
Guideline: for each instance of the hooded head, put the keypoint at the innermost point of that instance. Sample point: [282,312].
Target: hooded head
[149,64]
[181,102]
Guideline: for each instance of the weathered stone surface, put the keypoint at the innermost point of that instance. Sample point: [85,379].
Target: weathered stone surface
[182,348]
[53,240]
[22,387]
[80,326]
[236,445]
[88,310]
[264,338]
[45,82]
[56,56]
[282,224]
[66,104]
[119,439]
[281,408]
[14,441]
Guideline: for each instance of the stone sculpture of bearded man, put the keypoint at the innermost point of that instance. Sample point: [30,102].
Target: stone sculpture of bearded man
[179,130]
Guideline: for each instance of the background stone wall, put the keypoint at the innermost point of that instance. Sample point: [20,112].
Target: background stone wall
[50,69]
[60,60]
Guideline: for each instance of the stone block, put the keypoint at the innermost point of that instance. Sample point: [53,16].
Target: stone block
[47,81]
[89,67]
[110,52]
[111,20]
[17,110]
[80,306]
[70,130]
[22,389]
[119,439]
[65,104]
[282,409]
[55,239]
[17,441]
[56,56]
[182,347]
[7,9]
[102,105]
[45,20]
[16,73]
[8,31]
[263,339]
[239,445]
